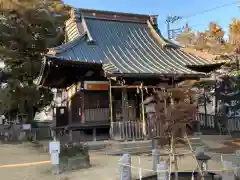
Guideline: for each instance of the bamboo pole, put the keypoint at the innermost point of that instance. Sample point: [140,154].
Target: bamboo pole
[110,101]
[143,111]
[175,160]
[170,159]
[194,157]
[133,86]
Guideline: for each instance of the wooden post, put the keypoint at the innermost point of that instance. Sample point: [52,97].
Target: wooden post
[111,109]
[69,108]
[125,167]
[125,114]
[124,104]
[228,174]
[82,102]
[162,171]
[143,111]
[155,158]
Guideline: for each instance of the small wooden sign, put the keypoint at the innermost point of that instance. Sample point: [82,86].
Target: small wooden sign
[96,85]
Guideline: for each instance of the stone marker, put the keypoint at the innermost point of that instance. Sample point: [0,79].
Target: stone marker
[155,159]
[228,174]
[125,167]
[54,150]
[162,170]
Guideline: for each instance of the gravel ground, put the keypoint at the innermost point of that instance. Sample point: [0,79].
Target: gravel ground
[103,167]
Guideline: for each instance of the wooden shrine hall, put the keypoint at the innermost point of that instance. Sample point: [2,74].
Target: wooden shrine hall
[109,63]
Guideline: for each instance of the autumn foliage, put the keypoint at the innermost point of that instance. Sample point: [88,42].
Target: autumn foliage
[213,39]
[175,108]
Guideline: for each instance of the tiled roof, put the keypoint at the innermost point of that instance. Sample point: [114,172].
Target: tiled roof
[123,43]
[217,58]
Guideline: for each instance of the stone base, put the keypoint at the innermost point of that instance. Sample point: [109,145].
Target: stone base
[181,176]
[73,163]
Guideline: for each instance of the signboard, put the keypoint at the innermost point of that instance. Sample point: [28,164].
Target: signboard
[54,150]
[96,85]
[54,147]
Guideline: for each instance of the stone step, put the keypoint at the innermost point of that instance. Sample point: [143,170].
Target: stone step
[139,147]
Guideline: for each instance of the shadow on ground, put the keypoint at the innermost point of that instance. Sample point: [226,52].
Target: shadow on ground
[229,147]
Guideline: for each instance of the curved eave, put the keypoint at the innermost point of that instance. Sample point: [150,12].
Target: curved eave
[60,60]
[60,73]
[159,75]
[206,68]
[66,46]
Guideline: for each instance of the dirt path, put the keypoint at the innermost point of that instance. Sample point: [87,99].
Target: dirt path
[103,167]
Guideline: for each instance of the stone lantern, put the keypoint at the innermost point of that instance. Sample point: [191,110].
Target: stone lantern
[202,161]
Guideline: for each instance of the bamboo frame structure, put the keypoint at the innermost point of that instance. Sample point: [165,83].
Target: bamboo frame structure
[173,157]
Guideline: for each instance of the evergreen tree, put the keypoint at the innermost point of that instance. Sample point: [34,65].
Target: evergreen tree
[28,28]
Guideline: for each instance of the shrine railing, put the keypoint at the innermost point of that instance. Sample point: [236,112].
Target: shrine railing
[136,130]
[133,130]
[208,121]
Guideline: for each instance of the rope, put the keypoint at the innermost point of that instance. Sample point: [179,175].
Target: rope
[190,170]
[141,169]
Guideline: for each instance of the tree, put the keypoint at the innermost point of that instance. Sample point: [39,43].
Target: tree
[234,32]
[28,28]
[214,37]
[205,87]
[187,37]
[175,109]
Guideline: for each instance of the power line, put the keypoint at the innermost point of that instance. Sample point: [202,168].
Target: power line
[172,19]
[209,10]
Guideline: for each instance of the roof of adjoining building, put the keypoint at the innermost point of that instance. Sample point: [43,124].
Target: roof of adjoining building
[123,43]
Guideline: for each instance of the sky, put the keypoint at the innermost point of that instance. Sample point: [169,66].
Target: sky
[186,8]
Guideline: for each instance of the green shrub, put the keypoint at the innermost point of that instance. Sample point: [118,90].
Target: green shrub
[73,149]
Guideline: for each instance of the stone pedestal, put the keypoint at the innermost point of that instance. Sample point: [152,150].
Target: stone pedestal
[73,163]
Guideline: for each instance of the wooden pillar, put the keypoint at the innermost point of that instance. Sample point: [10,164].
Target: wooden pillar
[69,107]
[82,107]
[124,104]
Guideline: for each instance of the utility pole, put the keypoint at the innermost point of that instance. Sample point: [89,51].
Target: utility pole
[172,32]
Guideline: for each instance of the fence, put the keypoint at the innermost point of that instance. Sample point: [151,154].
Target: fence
[136,130]
[15,132]
[208,121]
[133,130]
